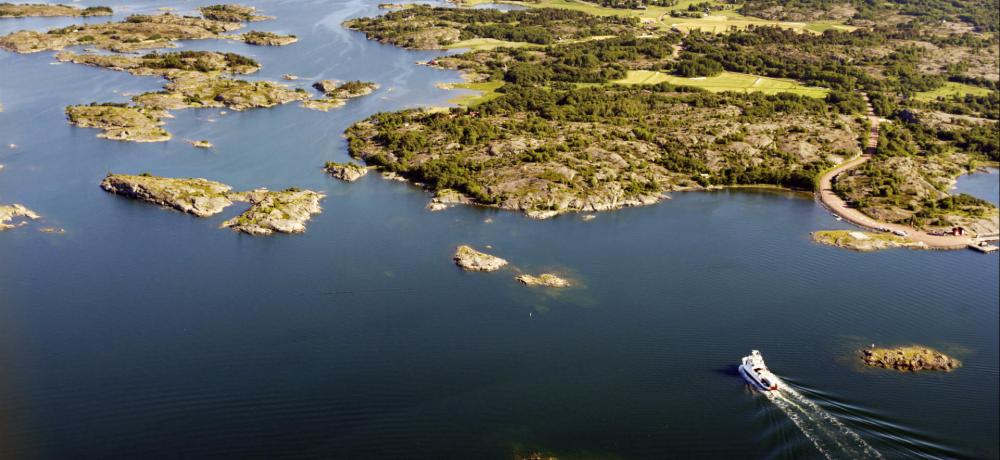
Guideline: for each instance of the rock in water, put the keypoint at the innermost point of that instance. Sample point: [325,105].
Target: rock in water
[286,211]
[473,260]
[9,212]
[909,359]
[200,197]
[349,172]
[545,279]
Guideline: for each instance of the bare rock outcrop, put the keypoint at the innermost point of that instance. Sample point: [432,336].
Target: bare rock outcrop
[200,197]
[473,260]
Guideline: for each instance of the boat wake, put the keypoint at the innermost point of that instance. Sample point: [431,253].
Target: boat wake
[830,436]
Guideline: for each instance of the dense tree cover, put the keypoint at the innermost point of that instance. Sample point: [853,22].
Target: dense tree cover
[619,116]
[195,60]
[537,25]
[983,15]
[634,4]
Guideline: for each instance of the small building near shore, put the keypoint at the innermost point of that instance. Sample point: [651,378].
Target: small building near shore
[957,231]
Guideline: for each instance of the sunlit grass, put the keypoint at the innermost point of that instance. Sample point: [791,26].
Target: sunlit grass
[726,81]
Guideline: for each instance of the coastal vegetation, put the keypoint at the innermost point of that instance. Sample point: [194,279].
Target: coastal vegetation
[862,241]
[12,10]
[194,79]
[258,38]
[563,125]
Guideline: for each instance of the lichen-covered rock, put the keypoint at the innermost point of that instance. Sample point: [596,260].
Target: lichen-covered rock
[336,90]
[200,197]
[473,260]
[544,279]
[911,358]
[325,86]
[286,211]
[10,212]
[349,172]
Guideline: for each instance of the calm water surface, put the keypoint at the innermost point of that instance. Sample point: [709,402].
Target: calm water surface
[146,332]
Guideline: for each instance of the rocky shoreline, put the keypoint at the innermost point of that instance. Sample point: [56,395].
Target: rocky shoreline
[348,172]
[472,260]
[12,212]
[10,10]
[285,211]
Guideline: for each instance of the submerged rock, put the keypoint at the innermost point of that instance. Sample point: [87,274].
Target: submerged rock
[911,358]
[545,279]
[473,260]
[349,172]
[9,212]
[286,211]
[200,197]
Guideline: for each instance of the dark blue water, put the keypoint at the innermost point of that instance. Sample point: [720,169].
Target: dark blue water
[142,332]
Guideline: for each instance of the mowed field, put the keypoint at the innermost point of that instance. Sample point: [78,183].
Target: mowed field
[951,88]
[484,91]
[726,81]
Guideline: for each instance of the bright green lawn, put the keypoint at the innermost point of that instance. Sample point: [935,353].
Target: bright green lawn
[951,88]
[487,91]
[726,81]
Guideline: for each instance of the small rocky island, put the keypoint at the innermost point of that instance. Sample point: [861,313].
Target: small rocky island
[473,260]
[195,79]
[259,38]
[911,358]
[232,12]
[11,212]
[860,241]
[336,94]
[544,279]
[284,211]
[11,10]
[200,197]
[348,172]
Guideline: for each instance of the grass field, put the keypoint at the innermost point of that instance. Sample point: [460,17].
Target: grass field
[487,44]
[726,81]
[485,91]
[951,88]
[724,21]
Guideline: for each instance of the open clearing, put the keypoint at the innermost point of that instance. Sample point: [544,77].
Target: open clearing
[951,88]
[726,81]
[727,20]
[477,44]
[485,91]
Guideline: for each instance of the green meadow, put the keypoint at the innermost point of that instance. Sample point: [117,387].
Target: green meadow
[726,81]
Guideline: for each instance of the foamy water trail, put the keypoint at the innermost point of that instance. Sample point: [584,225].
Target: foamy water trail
[831,437]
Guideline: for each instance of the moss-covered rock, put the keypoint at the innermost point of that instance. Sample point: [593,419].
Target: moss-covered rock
[544,279]
[910,358]
[120,122]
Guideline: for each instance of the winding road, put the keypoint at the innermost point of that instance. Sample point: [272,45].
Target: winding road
[838,206]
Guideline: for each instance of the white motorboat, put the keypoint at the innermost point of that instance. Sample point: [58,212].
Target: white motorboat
[757,373]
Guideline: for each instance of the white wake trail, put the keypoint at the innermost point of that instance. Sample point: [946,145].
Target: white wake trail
[830,436]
